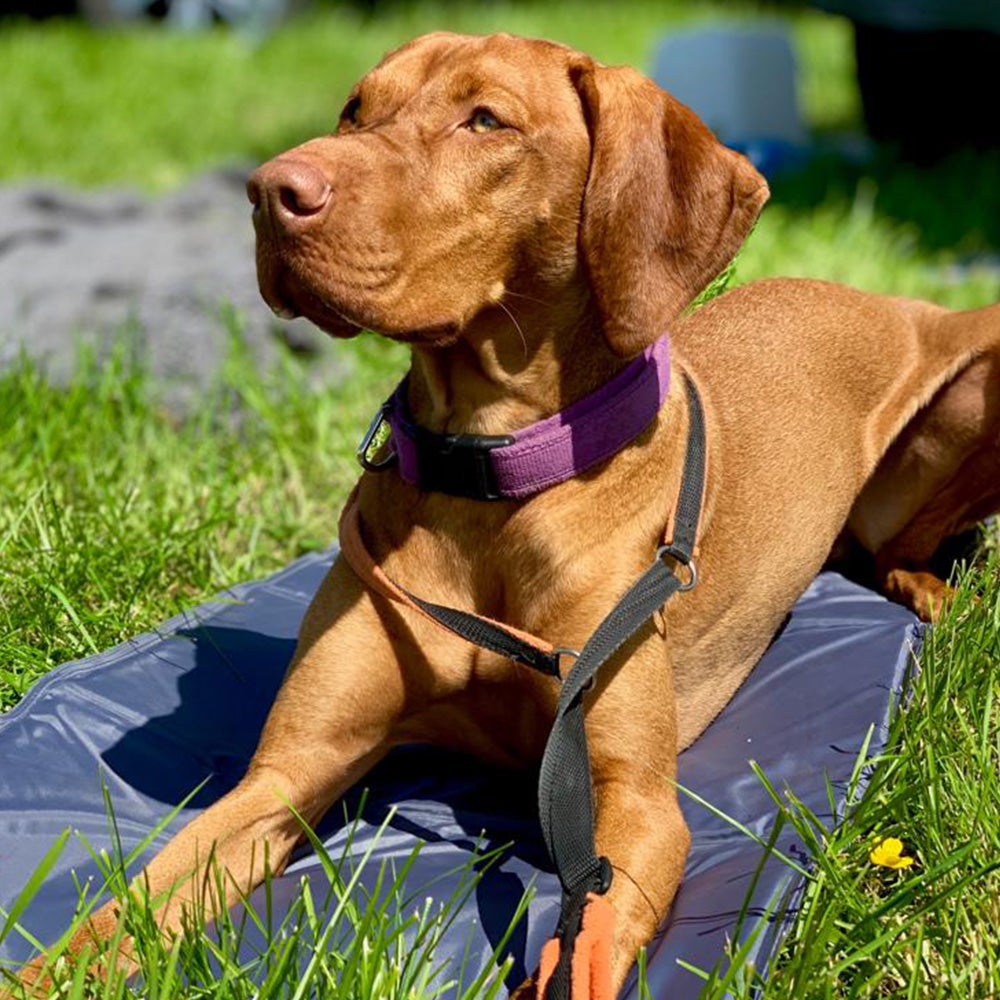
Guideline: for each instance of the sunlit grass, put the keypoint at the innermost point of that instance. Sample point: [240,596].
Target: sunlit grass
[862,931]
[339,937]
[147,107]
[115,514]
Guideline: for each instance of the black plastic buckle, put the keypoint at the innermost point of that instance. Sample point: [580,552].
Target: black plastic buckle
[380,418]
[459,464]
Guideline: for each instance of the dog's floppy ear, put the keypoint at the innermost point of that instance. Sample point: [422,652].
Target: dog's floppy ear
[666,205]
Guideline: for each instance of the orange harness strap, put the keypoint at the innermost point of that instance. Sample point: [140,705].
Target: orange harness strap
[590,975]
[476,629]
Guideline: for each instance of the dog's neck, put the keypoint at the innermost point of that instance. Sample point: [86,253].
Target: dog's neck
[512,365]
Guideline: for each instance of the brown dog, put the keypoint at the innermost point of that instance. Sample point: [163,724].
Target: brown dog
[528,219]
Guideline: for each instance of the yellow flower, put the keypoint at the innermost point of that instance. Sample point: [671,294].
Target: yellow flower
[889,854]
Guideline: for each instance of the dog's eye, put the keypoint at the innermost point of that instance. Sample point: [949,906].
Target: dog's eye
[349,115]
[483,121]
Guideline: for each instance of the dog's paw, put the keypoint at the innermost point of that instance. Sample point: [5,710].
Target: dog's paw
[31,981]
[926,595]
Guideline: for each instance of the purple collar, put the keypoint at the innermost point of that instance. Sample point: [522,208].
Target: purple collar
[538,456]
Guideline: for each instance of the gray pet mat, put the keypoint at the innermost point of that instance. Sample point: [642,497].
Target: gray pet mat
[163,712]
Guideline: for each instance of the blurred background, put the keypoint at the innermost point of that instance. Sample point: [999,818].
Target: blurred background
[128,126]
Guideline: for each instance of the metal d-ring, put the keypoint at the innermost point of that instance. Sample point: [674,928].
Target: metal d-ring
[566,651]
[692,578]
[575,653]
[684,560]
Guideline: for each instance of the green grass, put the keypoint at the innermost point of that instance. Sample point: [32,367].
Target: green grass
[147,107]
[928,931]
[113,514]
[371,932]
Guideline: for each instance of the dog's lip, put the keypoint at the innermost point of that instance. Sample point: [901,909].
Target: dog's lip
[440,335]
[289,296]
[282,311]
[274,290]
[314,307]
[325,318]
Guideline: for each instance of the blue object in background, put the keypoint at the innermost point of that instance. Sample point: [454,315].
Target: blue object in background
[167,710]
[741,80]
[189,14]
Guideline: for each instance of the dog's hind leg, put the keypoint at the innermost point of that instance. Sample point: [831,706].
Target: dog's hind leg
[332,720]
[940,476]
[903,563]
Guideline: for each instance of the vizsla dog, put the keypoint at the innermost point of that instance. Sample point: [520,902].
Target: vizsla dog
[530,221]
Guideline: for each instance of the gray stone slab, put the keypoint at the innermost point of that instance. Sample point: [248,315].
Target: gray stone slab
[162,272]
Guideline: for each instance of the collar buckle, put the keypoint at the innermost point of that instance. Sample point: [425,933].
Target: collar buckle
[459,464]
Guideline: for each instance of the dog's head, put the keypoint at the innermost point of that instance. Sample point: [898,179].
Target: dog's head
[465,168]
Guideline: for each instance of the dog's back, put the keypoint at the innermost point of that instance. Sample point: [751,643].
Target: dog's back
[831,407]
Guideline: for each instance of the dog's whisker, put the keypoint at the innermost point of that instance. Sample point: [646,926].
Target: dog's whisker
[530,298]
[517,326]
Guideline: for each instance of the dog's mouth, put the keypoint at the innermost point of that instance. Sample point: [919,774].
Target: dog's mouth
[279,299]
[323,315]
[289,297]
[347,274]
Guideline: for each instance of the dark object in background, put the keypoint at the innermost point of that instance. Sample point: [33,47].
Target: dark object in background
[927,70]
[37,9]
[191,13]
[177,13]
[932,92]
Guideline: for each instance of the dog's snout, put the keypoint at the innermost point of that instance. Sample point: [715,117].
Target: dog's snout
[292,190]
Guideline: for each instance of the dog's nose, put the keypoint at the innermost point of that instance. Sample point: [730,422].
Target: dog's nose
[292,190]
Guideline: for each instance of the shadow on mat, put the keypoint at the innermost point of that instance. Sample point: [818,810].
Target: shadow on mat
[212,732]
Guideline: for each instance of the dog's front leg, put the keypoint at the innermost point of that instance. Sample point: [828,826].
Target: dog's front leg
[332,720]
[632,735]
[632,740]
[641,830]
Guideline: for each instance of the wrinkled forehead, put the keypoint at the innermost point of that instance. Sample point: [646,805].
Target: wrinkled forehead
[456,69]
